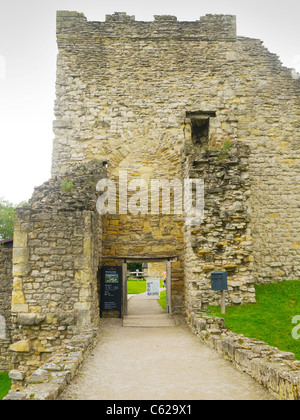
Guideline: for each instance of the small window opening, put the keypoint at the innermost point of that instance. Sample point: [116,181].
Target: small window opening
[200,126]
[200,130]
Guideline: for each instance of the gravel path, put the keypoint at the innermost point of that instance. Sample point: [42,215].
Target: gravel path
[160,363]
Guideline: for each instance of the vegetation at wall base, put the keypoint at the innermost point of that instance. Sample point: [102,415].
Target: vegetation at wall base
[270,318]
[5,384]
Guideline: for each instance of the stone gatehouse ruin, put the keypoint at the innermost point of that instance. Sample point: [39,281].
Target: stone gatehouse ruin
[155,100]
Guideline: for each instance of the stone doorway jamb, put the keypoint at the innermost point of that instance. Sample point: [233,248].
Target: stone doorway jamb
[159,258]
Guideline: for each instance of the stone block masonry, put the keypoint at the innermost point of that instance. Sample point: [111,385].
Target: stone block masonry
[223,241]
[276,370]
[57,252]
[5,307]
[49,380]
[127,90]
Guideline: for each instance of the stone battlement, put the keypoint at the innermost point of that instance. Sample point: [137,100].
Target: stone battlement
[207,27]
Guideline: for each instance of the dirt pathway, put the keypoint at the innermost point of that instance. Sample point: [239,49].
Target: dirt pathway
[160,363]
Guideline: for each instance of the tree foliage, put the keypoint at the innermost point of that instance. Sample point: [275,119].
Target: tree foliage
[135,266]
[7,212]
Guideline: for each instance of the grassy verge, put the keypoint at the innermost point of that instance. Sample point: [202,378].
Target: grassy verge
[5,384]
[162,299]
[270,318]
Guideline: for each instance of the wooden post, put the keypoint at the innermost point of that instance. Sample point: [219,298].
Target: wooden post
[223,301]
[124,283]
[169,297]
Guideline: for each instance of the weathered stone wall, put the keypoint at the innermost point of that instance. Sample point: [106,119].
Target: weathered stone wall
[276,370]
[223,241]
[269,122]
[124,87]
[125,90]
[5,306]
[137,95]
[156,269]
[147,236]
[57,249]
[49,380]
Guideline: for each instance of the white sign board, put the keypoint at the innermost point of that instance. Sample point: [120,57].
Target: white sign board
[153,288]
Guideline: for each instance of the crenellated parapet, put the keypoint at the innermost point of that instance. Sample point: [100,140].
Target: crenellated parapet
[207,27]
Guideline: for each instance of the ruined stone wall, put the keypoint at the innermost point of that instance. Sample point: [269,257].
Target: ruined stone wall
[276,370]
[5,306]
[57,249]
[267,109]
[223,240]
[126,91]
[123,87]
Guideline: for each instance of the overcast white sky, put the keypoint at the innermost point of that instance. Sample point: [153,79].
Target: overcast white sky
[28,63]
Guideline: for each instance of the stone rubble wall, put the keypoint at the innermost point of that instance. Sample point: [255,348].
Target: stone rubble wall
[57,251]
[276,370]
[50,379]
[125,86]
[5,307]
[223,240]
[123,92]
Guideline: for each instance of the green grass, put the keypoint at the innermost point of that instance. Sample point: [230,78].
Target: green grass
[135,287]
[140,286]
[270,318]
[5,384]
[162,300]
